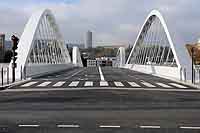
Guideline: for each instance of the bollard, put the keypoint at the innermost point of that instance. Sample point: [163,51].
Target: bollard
[7,75]
[199,75]
[25,72]
[21,72]
[2,76]
[185,75]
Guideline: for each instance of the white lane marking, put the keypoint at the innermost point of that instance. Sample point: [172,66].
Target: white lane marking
[164,85]
[103,83]
[28,84]
[88,83]
[44,84]
[74,83]
[178,85]
[28,125]
[58,84]
[133,84]
[109,126]
[101,74]
[147,84]
[118,84]
[183,127]
[68,126]
[149,126]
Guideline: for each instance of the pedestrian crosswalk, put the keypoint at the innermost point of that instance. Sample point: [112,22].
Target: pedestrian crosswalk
[28,84]
[127,84]
[119,84]
[58,84]
[148,84]
[74,84]
[88,83]
[103,83]
[44,84]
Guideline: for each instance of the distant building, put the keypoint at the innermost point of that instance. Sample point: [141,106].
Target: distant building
[88,40]
[2,47]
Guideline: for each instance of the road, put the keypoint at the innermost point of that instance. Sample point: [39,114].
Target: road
[100,100]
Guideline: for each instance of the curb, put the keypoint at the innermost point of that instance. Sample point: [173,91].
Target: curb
[170,78]
[13,84]
[179,81]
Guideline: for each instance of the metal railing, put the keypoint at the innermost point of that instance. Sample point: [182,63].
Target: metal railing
[6,78]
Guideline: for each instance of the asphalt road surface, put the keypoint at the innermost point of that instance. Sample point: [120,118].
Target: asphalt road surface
[100,100]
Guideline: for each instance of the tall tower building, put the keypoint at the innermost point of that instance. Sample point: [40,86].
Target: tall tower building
[2,47]
[88,40]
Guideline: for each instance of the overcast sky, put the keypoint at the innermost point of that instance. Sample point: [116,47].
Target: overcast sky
[112,21]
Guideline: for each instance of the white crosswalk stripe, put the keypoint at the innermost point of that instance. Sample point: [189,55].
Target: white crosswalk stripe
[133,84]
[147,84]
[164,85]
[103,83]
[118,84]
[178,85]
[74,84]
[88,83]
[28,84]
[44,84]
[58,84]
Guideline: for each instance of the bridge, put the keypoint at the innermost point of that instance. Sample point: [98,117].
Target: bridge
[148,91]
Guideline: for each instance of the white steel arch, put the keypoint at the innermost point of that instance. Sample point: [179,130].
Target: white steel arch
[156,69]
[120,61]
[44,20]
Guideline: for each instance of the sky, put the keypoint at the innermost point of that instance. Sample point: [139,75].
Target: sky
[111,21]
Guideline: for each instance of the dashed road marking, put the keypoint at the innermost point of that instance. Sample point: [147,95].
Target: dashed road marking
[186,127]
[109,126]
[28,84]
[164,85]
[178,85]
[58,84]
[119,84]
[68,126]
[103,83]
[88,83]
[44,84]
[74,84]
[149,126]
[28,125]
[133,84]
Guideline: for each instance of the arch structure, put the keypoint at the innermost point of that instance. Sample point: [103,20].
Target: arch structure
[153,51]
[120,58]
[76,57]
[41,48]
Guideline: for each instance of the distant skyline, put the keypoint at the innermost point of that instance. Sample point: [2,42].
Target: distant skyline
[111,21]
